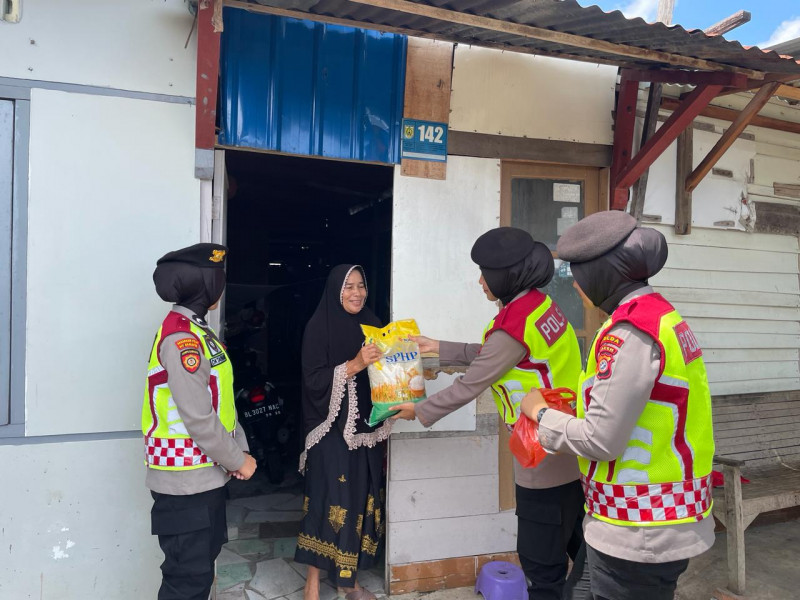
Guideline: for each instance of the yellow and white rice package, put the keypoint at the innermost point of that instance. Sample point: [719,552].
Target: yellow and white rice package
[397,376]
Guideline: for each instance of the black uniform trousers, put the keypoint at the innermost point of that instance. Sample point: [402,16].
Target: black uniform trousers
[549,528]
[191,531]
[618,579]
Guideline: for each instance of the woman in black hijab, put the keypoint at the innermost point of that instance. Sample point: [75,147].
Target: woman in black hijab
[343,524]
[528,344]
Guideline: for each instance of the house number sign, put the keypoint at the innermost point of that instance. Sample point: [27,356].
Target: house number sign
[424,140]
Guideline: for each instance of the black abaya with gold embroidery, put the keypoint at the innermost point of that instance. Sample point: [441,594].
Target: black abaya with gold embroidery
[343,522]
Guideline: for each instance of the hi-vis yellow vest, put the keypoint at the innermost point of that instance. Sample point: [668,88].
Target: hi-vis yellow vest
[552,357]
[663,475]
[168,446]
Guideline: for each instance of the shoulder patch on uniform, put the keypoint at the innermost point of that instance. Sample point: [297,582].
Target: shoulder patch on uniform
[552,324]
[688,342]
[606,352]
[188,343]
[190,359]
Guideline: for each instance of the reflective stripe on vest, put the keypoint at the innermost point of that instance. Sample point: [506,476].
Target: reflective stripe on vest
[671,447]
[168,445]
[552,356]
[654,503]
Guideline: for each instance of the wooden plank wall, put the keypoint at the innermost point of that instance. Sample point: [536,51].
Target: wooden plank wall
[740,294]
[443,495]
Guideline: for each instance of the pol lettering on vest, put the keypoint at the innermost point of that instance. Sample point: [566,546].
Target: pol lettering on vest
[552,324]
[689,345]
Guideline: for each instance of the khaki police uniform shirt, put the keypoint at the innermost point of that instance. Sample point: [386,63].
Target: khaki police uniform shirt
[500,353]
[193,401]
[616,404]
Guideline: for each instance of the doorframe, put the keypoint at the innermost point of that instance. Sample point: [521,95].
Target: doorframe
[596,198]
[214,222]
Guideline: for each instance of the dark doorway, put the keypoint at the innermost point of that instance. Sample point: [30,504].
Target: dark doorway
[289,220]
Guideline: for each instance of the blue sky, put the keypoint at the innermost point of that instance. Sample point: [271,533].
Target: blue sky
[773,21]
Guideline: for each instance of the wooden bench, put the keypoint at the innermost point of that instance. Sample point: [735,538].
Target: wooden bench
[759,438]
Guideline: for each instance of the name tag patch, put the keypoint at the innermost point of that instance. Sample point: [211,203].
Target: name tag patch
[689,345]
[188,343]
[552,324]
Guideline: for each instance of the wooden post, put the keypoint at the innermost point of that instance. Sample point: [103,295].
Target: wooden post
[735,528]
[650,120]
[665,9]
[624,122]
[208,43]
[429,70]
[683,198]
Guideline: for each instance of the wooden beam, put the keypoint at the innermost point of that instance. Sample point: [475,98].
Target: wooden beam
[683,198]
[753,84]
[787,91]
[730,135]
[558,37]
[485,145]
[688,77]
[727,114]
[677,122]
[728,23]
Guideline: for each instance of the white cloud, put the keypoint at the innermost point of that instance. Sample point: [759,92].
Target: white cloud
[788,30]
[646,9]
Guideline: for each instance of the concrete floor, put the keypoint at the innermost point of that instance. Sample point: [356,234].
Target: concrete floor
[773,552]
[256,563]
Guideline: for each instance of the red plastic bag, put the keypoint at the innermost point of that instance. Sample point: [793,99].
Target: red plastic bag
[524,441]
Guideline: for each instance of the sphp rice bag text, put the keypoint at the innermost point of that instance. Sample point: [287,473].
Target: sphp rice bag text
[397,376]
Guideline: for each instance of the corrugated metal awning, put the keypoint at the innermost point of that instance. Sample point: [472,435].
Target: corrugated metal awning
[559,28]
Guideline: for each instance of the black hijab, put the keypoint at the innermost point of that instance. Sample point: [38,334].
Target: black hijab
[533,271]
[194,287]
[607,279]
[333,336]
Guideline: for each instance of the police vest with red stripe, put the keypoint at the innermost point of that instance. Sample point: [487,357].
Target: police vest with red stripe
[552,356]
[168,445]
[663,475]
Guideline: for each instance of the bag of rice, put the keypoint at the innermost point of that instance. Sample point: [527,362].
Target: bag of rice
[397,376]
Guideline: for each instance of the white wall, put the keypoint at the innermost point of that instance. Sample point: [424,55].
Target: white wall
[434,226]
[112,188]
[109,43]
[75,523]
[434,281]
[523,95]
[443,491]
[739,293]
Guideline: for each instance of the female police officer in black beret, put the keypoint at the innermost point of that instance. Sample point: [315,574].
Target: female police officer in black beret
[189,423]
[643,434]
[529,344]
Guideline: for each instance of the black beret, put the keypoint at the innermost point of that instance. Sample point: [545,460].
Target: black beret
[595,235]
[199,255]
[501,247]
